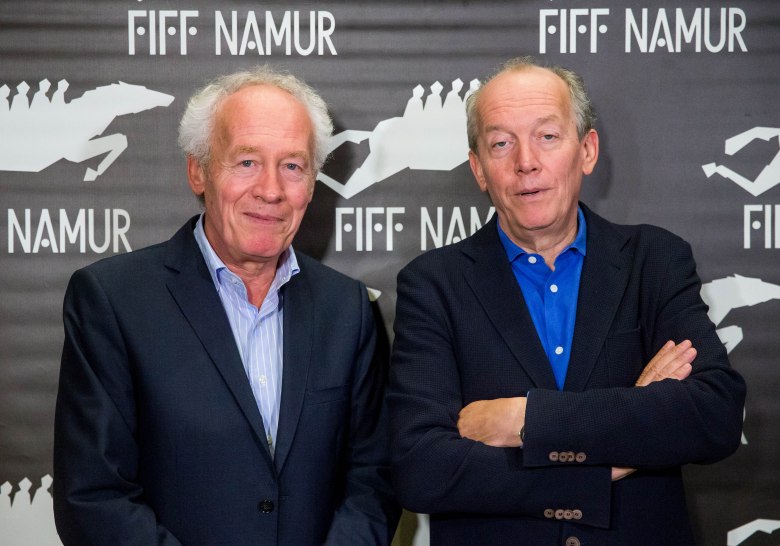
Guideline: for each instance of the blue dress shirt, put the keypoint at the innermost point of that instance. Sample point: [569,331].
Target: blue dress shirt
[258,332]
[551,296]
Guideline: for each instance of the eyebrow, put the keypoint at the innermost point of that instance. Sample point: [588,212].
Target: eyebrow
[554,118]
[245,149]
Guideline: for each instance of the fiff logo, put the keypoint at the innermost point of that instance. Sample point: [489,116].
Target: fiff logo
[38,133]
[430,135]
[768,178]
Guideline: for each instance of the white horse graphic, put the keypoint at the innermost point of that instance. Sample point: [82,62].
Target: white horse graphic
[39,133]
[768,178]
[723,295]
[429,136]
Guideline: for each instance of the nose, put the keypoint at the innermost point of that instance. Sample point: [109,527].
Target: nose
[268,186]
[526,161]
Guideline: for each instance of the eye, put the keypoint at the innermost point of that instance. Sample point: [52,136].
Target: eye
[501,144]
[291,166]
[247,163]
[549,137]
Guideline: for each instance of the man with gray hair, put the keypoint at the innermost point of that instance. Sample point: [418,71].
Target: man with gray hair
[221,388]
[553,372]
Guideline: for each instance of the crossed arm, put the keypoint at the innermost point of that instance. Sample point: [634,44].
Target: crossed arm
[497,422]
[447,354]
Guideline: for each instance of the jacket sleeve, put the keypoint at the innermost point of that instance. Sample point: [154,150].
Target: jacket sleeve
[668,423]
[369,512]
[97,498]
[434,469]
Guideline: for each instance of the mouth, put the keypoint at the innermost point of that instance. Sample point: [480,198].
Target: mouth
[262,218]
[531,192]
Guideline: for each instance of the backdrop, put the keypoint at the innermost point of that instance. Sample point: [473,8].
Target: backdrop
[91,93]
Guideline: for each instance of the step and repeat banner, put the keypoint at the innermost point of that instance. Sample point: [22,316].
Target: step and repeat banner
[686,94]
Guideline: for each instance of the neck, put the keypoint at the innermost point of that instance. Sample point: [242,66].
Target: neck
[257,278]
[548,243]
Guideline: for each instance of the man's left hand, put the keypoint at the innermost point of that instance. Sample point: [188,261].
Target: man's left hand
[493,422]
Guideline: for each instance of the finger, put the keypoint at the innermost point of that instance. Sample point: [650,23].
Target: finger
[682,372]
[646,377]
[683,354]
[667,363]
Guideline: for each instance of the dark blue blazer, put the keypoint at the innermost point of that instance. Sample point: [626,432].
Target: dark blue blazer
[158,439]
[463,333]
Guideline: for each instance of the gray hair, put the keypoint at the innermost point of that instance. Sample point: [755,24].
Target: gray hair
[197,123]
[584,115]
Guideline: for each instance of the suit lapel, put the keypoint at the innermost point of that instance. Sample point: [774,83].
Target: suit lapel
[491,278]
[193,289]
[605,273]
[300,314]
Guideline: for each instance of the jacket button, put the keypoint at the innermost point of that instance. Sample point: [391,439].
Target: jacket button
[572,541]
[266,506]
[576,514]
[568,514]
[549,513]
[553,456]
[559,514]
[581,457]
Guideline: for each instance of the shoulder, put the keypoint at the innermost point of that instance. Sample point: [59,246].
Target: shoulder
[121,268]
[437,257]
[324,282]
[639,238]
[177,253]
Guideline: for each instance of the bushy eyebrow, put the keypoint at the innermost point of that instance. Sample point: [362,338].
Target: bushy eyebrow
[245,149]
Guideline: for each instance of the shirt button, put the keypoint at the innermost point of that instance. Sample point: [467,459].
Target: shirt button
[266,506]
[553,288]
[531,259]
[263,379]
[559,350]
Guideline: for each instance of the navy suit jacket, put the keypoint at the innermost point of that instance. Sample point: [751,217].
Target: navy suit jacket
[158,439]
[463,333]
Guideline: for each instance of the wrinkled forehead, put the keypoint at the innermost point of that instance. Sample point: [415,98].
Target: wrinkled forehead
[265,107]
[524,87]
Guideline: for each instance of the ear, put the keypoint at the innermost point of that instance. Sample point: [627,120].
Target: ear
[590,151]
[476,168]
[196,176]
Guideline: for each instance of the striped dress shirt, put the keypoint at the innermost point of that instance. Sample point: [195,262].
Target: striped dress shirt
[258,332]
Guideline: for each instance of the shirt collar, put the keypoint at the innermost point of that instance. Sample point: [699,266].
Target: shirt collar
[285,269]
[579,243]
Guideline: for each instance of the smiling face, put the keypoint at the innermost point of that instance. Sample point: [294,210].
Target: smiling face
[529,158]
[259,179]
